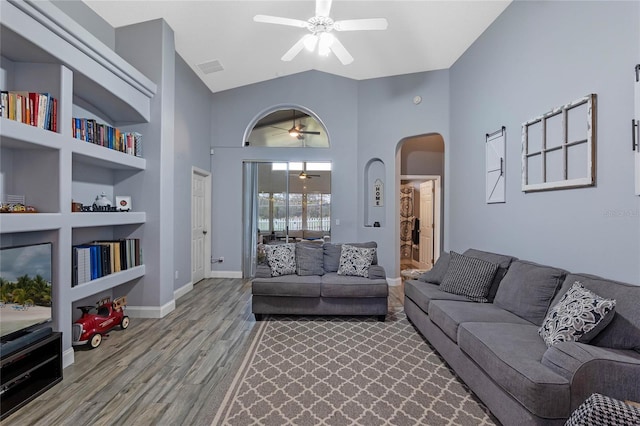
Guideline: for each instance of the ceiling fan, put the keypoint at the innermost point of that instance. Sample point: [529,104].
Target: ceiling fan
[305,175]
[321,27]
[297,131]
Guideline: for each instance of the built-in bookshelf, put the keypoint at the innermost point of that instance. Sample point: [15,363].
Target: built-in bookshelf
[44,52]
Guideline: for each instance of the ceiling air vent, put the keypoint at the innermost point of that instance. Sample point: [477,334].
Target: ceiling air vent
[210,67]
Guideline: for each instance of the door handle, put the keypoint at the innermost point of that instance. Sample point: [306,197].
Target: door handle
[204,231]
[634,135]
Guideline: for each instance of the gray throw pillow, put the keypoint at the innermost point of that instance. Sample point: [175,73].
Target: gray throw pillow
[528,288]
[309,259]
[332,252]
[436,274]
[281,259]
[469,277]
[355,261]
[579,316]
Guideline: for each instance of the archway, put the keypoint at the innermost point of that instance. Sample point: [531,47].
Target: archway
[420,188]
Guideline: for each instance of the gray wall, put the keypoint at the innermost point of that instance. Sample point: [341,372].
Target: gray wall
[333,99]
[192,135]
[365,120]
[535,56]
[386,116]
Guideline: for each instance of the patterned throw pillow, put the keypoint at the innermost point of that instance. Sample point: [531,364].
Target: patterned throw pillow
[469,277]
[281,259]
[578,316]
[600,410]
[355,260]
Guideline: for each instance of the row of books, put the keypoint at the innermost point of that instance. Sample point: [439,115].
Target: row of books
[91,131]
[35,109]
[100,258]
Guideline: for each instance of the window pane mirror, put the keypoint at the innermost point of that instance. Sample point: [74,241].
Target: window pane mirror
[288,128]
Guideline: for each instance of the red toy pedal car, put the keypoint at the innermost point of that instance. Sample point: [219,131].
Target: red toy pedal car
[95,321]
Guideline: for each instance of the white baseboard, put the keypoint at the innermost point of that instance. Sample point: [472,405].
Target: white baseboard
[177,294]
[226,274]
[151,311]
[68,357]
[393,282]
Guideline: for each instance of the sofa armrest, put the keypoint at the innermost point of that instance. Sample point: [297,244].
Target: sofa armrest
[377,272]
[263,271]
[594,369]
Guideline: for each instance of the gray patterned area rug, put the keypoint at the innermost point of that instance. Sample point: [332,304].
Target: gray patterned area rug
[345,371]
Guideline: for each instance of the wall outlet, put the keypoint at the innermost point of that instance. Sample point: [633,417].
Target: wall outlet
[220,259]
[176,274]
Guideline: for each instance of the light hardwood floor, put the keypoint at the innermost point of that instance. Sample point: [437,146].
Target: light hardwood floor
[158,371]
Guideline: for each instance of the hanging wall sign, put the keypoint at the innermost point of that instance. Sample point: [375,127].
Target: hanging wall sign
[378,193]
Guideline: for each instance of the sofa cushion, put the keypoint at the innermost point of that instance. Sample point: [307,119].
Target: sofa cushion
[281,258]
[355,261]
[469,276]
[436,274]
[449,314]
[423,293]
[263,271]
[309,259]
[332,252]
[510,354]
[334,285]
[287,285]
[579,316]
[503,262]
[528,288]
[624,330]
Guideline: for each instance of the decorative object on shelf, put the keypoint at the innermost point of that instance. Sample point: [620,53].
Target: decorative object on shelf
[558,147]
[495,158]
[378,193]
[123,203]
[102,201]
[99,209]
[376,224]
[15,204]
[76,207]
[96,321]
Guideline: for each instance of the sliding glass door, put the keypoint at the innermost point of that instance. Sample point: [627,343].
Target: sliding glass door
[284,202]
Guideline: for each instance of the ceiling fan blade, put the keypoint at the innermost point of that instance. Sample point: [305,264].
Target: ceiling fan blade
[361,24]
[323,7]
[291,53]
[308,133]
[340,52]
[280,21]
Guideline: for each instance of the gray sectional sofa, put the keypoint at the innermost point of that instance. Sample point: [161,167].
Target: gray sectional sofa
[495,347]
[317,289]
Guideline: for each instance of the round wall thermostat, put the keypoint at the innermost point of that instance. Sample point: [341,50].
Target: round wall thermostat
[417,99]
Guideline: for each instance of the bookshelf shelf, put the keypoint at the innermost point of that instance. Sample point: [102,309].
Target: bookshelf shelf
[16,135]
[106,283]
[30,222]
[86,219]
[96,155]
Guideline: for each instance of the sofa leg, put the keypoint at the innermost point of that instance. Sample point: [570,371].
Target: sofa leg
[381,318]
[258,317]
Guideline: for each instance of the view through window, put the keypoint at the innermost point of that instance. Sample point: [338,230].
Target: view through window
[294,201]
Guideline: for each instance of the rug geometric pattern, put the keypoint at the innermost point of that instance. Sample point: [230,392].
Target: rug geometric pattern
[345,371]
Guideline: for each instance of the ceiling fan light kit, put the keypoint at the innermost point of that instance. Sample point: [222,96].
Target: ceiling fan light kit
[320,26]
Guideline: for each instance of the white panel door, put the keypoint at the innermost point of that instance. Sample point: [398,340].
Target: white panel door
[198,227]
[426,224]
[636,129]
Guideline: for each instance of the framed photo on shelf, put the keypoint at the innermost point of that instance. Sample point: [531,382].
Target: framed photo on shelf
[123,203]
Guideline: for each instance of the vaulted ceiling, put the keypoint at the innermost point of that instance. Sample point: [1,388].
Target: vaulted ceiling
[422,35]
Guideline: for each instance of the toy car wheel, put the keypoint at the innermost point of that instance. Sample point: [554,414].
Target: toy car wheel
[95,340]
[124,323]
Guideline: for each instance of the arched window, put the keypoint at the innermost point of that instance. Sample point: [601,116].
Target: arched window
[288,127]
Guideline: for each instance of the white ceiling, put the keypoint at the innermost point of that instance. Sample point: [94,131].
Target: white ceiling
[423,35]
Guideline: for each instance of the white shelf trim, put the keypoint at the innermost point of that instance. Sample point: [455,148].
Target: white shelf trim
[89,153]
[91,219]
[106,283]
